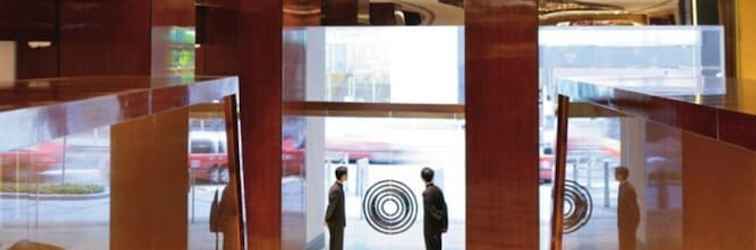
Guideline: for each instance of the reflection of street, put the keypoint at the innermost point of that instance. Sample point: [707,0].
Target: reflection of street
[84,224]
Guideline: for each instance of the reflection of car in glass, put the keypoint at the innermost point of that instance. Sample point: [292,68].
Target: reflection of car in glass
[577,146]
[207,156]
[28,163]
[208,159]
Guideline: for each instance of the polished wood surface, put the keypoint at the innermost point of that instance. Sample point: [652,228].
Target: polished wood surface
[150,182]
[105,37]
[302,12]
[340,12]
[557,214]
[218,28]
[28,20]
[382,13]
[173,13]
[37,62]
[727,117]
[231,115]
[260,96]
[25,21]
[718,201]
[501,71]
[746,39]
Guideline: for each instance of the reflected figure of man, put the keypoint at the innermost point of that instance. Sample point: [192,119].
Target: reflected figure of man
[335,216]
[628,212]
[436,216]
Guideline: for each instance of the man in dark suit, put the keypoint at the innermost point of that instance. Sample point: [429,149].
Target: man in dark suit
[335,216]
[628,212]
[436,216]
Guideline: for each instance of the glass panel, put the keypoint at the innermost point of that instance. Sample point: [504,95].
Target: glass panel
[57,193]
[638,184]
[375,65]
[384,206]
[147,183]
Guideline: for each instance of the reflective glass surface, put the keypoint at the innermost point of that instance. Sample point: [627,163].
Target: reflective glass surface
[665,170]
[158,179]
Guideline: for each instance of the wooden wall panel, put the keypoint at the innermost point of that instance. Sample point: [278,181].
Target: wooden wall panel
[173,13]
[501,45]
[28,20]
[746,39]
[718,200]
[24,21]
[260,46]
[150,182]
[109,37]
[217,54]
[340,12]
[36,62]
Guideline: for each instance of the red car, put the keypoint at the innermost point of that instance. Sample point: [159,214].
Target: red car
[208,160]
[26,164]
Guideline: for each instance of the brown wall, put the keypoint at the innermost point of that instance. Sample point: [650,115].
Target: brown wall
[218,27]
[173,13]
[746,38]
[718,198]
[24,21]
[109,37]
[89,37]
[501,46]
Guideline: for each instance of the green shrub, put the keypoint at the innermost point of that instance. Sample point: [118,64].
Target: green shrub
[49,188]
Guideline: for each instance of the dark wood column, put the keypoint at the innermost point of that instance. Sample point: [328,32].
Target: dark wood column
[501,45]
[260,45]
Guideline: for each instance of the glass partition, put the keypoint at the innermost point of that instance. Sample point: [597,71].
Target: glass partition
[673,169]
[157,179]
[667,188]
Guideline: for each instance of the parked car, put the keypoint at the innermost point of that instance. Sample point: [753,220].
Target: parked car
[208,159]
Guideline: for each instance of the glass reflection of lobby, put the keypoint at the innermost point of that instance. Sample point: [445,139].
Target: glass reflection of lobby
[223,124]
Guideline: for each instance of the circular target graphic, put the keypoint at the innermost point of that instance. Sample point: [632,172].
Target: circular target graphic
[390,207]
[578,206]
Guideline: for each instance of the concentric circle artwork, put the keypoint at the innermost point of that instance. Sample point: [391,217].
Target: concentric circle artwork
[578,206]
[390,207]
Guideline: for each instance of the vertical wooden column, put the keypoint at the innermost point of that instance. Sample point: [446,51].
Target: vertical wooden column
[501,45]
[260,45]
